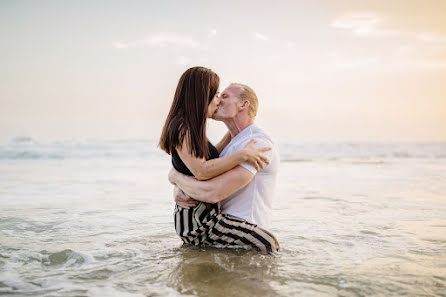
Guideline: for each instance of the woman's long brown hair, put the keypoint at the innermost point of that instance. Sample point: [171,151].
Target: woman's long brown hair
[188,113]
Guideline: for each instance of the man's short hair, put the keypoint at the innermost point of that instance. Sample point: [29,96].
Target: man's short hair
[248,94]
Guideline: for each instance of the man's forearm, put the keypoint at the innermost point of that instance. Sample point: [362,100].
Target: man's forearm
[213,190]
[198,190]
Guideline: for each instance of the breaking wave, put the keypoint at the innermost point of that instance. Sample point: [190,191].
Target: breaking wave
[27,148]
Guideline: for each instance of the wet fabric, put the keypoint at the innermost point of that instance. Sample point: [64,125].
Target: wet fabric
[206,225]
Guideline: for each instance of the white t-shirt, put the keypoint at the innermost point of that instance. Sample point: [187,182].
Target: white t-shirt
[254,202]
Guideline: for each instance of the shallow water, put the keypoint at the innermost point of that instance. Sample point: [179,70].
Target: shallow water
[96,220]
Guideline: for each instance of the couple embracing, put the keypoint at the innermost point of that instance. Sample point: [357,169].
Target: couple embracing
[223,193]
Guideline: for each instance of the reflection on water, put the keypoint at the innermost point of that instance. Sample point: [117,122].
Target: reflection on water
[223,272]
[101,224]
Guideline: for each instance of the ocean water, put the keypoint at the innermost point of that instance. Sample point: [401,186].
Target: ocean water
[95,219]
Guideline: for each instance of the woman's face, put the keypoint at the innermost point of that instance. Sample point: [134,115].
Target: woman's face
[212,107]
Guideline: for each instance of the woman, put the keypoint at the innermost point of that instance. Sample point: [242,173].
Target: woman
[184,138]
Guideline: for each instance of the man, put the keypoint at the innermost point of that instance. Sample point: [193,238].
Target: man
[244,191]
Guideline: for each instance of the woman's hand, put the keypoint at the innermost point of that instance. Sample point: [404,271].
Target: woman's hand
[171,176]
[254,155]
[182,199]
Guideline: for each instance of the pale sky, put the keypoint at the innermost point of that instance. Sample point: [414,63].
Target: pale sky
[323,70]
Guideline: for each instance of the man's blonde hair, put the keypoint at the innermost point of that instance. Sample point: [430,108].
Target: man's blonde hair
[248,94]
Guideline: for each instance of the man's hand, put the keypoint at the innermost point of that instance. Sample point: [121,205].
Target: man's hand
[182,199]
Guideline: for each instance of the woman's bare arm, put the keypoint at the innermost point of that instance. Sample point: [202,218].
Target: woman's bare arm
[203,169]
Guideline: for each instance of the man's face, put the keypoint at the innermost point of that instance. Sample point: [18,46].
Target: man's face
[229,104]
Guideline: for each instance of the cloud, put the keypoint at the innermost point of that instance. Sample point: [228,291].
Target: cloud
[182,60]
[182,49]
[164,39]
[161,39]
[440,65]
[373,25]
[350,62]
[431,37]
[260,36]
[212,32]
[403,59]
[120,45]
[359,24]
[402,48]
[170,40]
[291,44]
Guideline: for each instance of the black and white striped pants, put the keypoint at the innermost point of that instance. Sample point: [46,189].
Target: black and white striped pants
[206,225]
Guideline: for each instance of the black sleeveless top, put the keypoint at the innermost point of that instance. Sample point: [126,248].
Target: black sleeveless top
[182,168]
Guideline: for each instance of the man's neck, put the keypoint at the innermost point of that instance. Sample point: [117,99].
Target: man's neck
[236,125]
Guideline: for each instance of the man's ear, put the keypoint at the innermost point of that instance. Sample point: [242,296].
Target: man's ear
[245,105]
